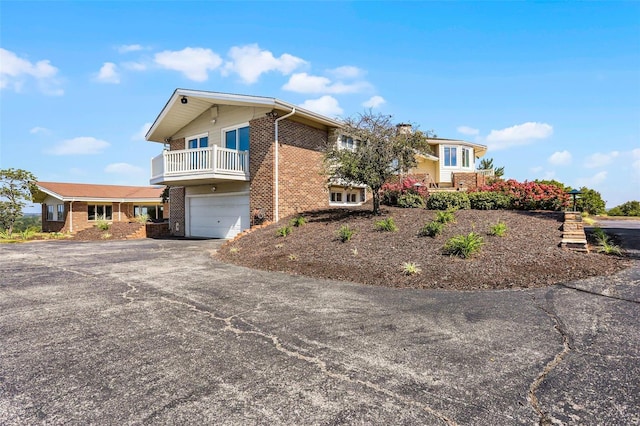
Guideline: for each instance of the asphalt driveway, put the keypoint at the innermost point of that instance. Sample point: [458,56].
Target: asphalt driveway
[158,332]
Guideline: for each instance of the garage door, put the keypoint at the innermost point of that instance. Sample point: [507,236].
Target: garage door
[218,216]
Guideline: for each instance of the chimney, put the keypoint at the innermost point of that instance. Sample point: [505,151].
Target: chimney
[404,128]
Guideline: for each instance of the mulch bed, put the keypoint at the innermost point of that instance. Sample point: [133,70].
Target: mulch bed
[116,231]
[527,256]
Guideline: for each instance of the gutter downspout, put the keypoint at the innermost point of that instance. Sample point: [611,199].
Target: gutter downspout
[276,210]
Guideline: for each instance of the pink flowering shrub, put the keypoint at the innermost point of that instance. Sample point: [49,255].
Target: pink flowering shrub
[529,195]
[392,191]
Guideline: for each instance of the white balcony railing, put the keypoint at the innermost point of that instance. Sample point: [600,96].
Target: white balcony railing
[201,161]
[486,173]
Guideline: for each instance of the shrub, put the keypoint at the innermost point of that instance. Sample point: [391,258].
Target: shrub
[464,246]
[298,221]
[486,200]
[590,201]
[391,192]
[445,217]
[410,200]
[142,218]
[431,229]
[448,201]
[410,268]
[530,195]
[387,225]
[103,224]
[499,229]
[283,231]
[27,234]
[630,208]
[345,233]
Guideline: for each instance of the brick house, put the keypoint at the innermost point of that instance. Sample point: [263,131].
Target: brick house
[72,207]
[235,161]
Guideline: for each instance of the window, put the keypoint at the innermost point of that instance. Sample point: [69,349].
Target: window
[99,212]
[154,212]
[465,157]
[346,196]
[60,212]
[237,138]
[198,141]
[346,142]
[450,159]
[336,197]
[50,212]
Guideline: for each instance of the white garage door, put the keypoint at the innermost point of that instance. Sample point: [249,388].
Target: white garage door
[218,216]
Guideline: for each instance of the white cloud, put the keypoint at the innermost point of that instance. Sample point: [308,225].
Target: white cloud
[40,130]
[305,83]
[520,134]
[134,66]
[591,181]
[466,130]
[600,160]
[326,105]
[374,102]
[250,62]
[84,145]
[124,169]
[346,72]
[15,71]
[560,158]
[108,74]
[126,48]
[193,62]
[140,134]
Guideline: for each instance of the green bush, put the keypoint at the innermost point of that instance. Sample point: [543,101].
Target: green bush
[486,200]
[298,221]
[345,233]
[590,201]
[448,201]
[499,229]
[284,231]
[410,200]
[388,225]
[431,229]
[445,217]
[103,225]
[464,245]
[630,208]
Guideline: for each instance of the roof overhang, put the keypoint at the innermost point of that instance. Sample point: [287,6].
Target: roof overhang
[42,193]
[176,114]
[479,149]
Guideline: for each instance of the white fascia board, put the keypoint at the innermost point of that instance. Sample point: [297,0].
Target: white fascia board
[310,114]
[51,193]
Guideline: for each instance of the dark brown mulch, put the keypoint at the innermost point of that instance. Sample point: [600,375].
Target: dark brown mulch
[527,256]
[116,231]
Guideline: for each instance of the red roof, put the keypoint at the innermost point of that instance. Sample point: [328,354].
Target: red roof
[91,191]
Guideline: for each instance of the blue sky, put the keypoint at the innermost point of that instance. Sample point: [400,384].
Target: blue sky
[552,88]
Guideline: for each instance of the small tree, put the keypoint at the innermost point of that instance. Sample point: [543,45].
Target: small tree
[380,151]
[590,201]
[487,164]
[16,188]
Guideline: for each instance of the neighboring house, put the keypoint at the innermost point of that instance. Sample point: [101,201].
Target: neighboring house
[71,207]
[451,165]
[234,161]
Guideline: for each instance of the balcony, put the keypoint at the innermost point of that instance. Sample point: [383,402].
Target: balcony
[202,164]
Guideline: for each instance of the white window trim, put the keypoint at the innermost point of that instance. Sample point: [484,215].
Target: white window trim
[53,212]
[96,205]
[198,136]
[471,158]
[444,166]
[59,217]
[345,192]
[341,147]
[224,130]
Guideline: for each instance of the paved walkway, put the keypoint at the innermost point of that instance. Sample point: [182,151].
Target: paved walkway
[157,332]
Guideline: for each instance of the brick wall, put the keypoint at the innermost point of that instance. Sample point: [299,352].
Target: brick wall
[468,180]
[302,184]
[261,192]
[177,211]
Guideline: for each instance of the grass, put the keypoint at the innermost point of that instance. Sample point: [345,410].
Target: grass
[604,243]
[464,246]
[386,225]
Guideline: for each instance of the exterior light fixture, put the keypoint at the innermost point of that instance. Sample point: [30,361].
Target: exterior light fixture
[574,193]
[184,100]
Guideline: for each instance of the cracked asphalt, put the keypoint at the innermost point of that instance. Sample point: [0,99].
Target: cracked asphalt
[159,332]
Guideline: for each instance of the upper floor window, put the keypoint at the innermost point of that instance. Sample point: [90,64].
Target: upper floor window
[450,156]
[466,157]
[237,138]
[347,142]
[198,141]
